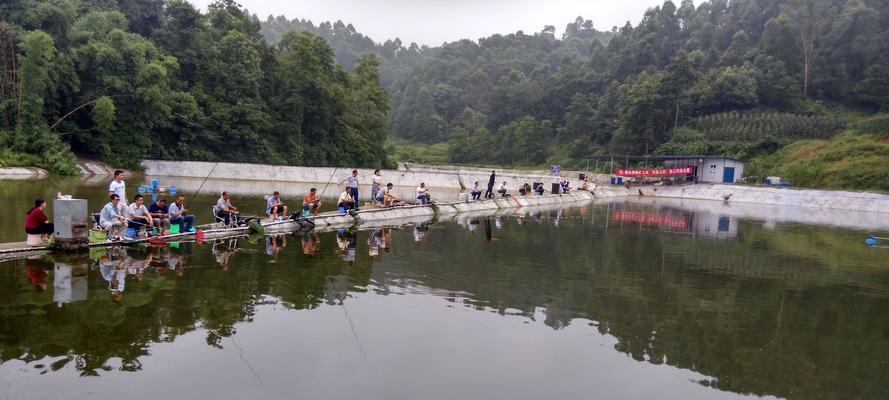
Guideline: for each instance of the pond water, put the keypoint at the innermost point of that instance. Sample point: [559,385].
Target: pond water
[619,300]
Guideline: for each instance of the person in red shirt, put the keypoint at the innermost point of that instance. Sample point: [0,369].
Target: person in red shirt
[36,223]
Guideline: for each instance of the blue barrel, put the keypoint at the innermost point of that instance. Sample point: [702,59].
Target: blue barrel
[154,183]
[620,180]
[613,180]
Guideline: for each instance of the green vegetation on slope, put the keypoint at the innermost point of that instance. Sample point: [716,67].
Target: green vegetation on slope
[848,161]
[401,150]
[679,65]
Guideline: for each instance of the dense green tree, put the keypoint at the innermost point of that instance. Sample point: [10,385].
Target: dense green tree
[32,135]
[124,79]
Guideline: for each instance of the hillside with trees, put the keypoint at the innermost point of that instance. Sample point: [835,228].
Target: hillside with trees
[740,78]
[125,80]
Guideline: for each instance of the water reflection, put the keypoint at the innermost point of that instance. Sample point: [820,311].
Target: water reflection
[699,223]
[744,312]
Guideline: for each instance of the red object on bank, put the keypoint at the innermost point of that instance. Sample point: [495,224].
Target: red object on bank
[655,172]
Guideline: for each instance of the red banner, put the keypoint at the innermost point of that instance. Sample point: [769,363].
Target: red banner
[655,172]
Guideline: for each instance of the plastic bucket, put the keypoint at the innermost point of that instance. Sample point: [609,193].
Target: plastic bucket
[131,232]
[97,236]
[174,228]
[342,210]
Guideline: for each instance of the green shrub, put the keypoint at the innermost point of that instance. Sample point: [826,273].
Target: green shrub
[876,124]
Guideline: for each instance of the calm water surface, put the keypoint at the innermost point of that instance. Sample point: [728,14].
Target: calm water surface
[621,300]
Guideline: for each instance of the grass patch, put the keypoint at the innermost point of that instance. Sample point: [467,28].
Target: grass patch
[850,160]
[9,158]
[401,150]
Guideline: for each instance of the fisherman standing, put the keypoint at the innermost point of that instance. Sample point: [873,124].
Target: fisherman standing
[353,187]
[489,194]
[377,182]
[118,187]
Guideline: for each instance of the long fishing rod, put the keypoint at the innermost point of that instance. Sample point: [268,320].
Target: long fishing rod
[202,183]
[328,182]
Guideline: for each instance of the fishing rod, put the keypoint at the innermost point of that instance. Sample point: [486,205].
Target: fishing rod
[328,183]
[202,183]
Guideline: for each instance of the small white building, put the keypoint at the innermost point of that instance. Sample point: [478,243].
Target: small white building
[709,169]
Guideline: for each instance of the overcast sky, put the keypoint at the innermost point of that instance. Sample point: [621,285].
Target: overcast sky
[432,22]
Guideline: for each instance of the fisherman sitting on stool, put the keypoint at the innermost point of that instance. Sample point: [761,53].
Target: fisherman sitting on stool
[423,194]
[225,210]
[346,201]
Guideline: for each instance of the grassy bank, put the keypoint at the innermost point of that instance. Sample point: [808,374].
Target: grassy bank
[401,150]
[8,158]
[850,160]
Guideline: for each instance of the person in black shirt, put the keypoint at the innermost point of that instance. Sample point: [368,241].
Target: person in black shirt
[489,194]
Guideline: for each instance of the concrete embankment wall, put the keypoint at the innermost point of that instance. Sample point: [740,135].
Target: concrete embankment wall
[86,168]
[20,173]
[815,199]
[468,175]
[451,178]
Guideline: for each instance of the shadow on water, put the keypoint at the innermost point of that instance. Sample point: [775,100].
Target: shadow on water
[782,309]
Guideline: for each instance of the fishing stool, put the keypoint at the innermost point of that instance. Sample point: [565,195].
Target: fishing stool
[34,240]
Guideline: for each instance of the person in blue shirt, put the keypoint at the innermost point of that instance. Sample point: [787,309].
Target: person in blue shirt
[160,214]
[112,218]
[275,205]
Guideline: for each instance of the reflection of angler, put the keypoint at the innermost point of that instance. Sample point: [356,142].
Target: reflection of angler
[223,251]
[488,234]
[36,271]
[310,243]
[373,244]
[386,240]
[350,241]
[420,232]
[115,274]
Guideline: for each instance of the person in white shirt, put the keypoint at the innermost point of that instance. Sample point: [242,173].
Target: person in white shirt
[179,215]
[377,182]
[346,201]
[138,215]
[476,191]
[423,194]
[224,208]
[502,189]
[389,198]
[118,187]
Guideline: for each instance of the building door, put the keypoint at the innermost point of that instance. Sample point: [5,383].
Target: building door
[728,174]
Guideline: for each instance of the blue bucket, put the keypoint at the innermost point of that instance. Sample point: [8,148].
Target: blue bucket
[342,210]
[131,232]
